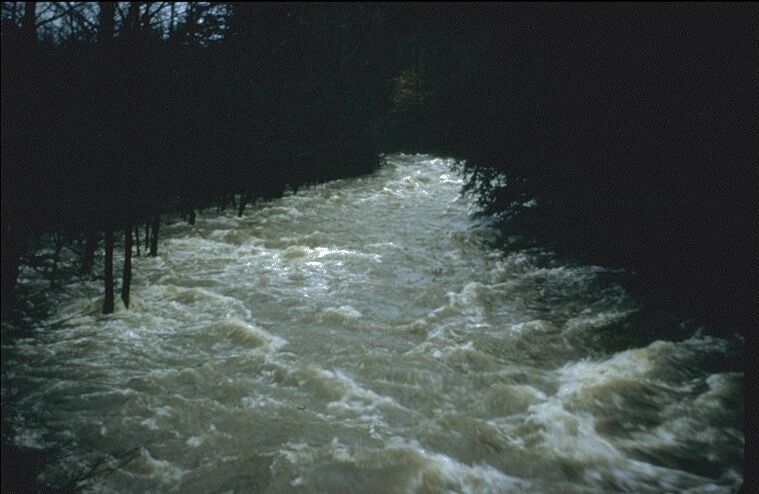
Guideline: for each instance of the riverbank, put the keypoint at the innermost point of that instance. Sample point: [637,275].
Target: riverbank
[362,335]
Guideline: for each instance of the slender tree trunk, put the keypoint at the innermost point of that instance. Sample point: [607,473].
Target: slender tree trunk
[154,235]
[127,274]
[108,278]
[147,236]
[243,200]
[171,19]
[59,242]
[88,256]
[137,238]
[190,22]
[12,247]
[131,24]
[30,19]
[107,11]
[106,29]
[191,216]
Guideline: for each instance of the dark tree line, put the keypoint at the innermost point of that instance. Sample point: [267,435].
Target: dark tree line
[634,127]
[130,110]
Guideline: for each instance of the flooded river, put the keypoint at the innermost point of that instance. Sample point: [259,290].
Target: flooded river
[362,337]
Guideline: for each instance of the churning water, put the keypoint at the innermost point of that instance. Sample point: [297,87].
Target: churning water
[361,337]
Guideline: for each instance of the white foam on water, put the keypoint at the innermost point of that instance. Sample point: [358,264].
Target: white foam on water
[371,311]
[245,333]
[343,393]
[344,315]
[416,469]
[165,473]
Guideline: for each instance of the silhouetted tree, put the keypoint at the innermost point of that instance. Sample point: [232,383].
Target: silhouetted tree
[631,126]
[108,303]
[126,283]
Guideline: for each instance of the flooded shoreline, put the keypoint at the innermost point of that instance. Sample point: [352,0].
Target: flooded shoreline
[361,336]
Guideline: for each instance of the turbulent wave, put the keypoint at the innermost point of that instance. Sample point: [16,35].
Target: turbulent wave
[363,336]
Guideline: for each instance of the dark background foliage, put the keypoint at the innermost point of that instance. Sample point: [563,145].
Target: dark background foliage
[632,126]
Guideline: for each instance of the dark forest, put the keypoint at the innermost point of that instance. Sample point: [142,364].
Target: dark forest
[617,136]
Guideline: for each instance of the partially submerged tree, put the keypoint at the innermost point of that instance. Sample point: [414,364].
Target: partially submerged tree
[127,111]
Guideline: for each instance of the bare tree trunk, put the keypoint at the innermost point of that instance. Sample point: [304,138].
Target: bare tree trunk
[127,273]
[137,238]
[147,236]
[12,247]
[171,19]
[132,19]
[59,242]
[106,29]
[243,200]
[28,24]
[108,278]
[191,21]
[154,235]
[88,256]
[107,12]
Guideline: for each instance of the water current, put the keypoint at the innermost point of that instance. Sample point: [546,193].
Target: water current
[362,336]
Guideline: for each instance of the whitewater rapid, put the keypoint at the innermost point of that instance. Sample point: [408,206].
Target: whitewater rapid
[362,336]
